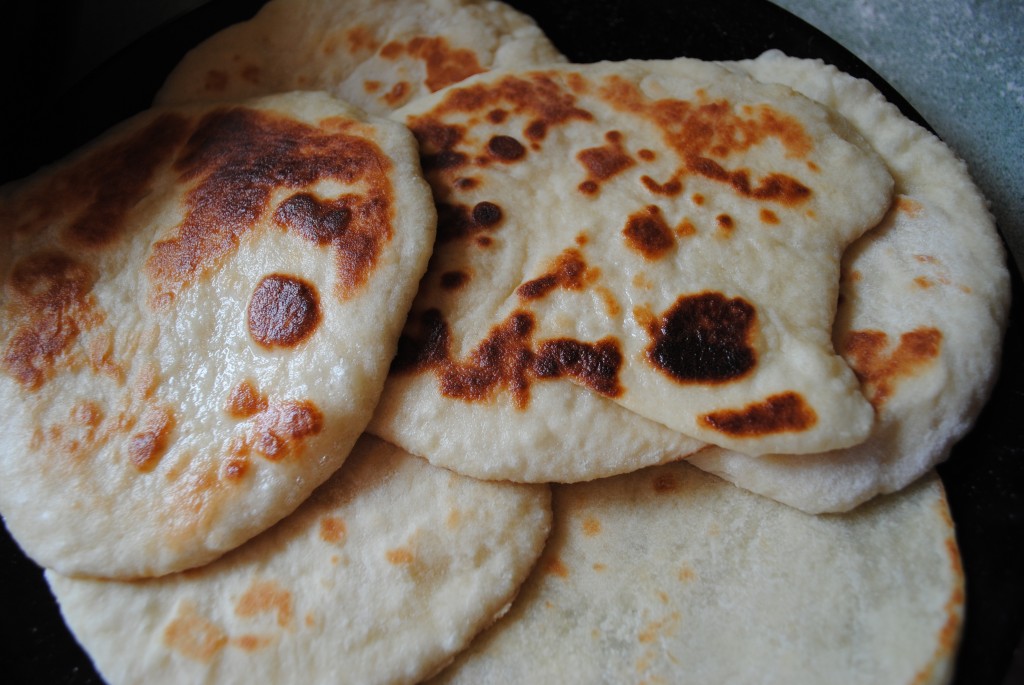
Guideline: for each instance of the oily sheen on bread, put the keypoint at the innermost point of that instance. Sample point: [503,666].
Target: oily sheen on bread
[377,54]
[665,234]
[198,314]
[924,302]
[670,575]
[381,576]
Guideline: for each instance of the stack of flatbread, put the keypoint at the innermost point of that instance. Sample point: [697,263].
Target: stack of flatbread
[292,358]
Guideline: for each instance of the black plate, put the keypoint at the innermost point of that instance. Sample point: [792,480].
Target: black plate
[984,477]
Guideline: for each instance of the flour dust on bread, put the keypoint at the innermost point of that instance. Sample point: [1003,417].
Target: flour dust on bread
[377,54]
[672,575]
[381,576]
[198,313]
[924,302]
[665,234]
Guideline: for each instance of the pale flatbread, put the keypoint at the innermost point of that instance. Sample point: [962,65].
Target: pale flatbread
[670,575]
[198,313]
[924,302]
[381,576]
[378,54]
[666,234]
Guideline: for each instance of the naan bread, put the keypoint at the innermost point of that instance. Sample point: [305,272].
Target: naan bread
[198,314]
[378,54]
[924,302]
[665,234]
[566,434]
[381,576]
[669,575]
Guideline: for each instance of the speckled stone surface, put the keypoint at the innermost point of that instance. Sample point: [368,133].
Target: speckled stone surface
[960,63]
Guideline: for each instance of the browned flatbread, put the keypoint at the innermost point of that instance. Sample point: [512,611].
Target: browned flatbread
[197,318]
[664,234]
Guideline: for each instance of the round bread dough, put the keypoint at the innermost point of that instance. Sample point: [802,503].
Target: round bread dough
[671,575]
[377,54]
[198,314]
[381,576]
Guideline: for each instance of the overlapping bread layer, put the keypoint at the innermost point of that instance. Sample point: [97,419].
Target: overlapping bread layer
[376,54]
[671,575]
[387,571]
[199,312]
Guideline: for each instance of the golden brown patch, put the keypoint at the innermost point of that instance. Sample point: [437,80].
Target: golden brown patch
[283,311]
[245,401]
[879,373]
[361,39]
[703,130]
[194,636]
[611,303]
[371,86]
[685,229]
[444,64]
[536,96]
[656,629]
[237,159]
[251,643]
[281,427]
[505,359]
[687,574]
[593,365]
[333,530]
[146,447]
[266,596]
[669,188]
[98,191]
[591,526]
[783,413]
[769,217]
[568,271]
[648,234]
[909,206]
[398,94]
[923,282]
[604,162]
[277,428]
[51,304]
[600,567]
[555,567]
[399,556]
[704,338]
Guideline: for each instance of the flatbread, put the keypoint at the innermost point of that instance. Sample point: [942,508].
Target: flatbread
[380,577]
[377,54]
[924,303]
[666,234]
[198,315]
[670,575]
